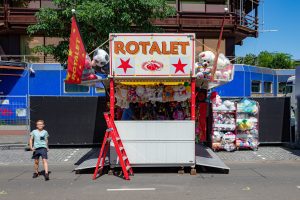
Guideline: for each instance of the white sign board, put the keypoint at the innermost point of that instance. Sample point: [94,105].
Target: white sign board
[152,55]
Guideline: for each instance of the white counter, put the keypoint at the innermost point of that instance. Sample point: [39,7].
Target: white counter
[158,143]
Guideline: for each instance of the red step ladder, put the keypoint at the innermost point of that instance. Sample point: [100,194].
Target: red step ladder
[112,134]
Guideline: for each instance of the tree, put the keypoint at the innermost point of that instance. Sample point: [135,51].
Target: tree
[282,61]
[96,19]
[264,59]
[250,59]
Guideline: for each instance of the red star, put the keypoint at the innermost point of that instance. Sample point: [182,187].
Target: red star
[179,66]
[125,65]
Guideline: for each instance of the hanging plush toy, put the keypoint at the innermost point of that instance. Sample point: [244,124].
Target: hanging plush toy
[100,61]
[88,72]
[168,94]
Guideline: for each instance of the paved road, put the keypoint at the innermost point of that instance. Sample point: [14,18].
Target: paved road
[248,181]
[71,156]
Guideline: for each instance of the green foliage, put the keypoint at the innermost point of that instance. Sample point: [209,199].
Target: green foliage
[250,59]
[267,59]
[282,61]
[96,19]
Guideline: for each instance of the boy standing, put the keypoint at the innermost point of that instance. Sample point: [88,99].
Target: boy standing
[39,139]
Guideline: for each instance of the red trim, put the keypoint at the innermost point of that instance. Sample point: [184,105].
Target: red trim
[112,98]
[193,99]
[110,52]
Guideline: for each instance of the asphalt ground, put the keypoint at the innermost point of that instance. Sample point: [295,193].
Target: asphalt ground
[266,180]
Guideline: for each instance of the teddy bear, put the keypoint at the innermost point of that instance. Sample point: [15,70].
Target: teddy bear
[206,58]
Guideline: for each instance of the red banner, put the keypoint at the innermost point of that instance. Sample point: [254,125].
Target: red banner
[76,58]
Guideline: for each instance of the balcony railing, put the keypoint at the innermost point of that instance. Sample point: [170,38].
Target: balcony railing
[29,58]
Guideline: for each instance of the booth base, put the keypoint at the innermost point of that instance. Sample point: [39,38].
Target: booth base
[89,161]
[205,157]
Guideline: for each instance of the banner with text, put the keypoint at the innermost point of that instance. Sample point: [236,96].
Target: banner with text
[152,55]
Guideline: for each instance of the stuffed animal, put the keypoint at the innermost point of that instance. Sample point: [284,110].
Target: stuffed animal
[132,95]
[228,141]
[229,105]
[168,94]
[140,90]
[248,106]
[88,72]
[207,58]
[216,145]
[100,61]
[217,136]
[215,99]
[244,125]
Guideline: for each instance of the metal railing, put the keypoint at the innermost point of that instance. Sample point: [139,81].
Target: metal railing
[29,58]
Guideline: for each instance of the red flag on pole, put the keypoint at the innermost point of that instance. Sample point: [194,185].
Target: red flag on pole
[76,57]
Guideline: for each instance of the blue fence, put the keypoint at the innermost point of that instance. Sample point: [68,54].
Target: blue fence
[14,110]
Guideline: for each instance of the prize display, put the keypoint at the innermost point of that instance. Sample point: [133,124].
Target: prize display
[224,124]
[154,102]
[126,94]
[235,124]
[247,124]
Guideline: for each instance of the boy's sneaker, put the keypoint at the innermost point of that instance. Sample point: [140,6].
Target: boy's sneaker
[46,176]
[35,175]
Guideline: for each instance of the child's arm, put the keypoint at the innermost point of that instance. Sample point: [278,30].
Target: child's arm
[30,143]
[47,135]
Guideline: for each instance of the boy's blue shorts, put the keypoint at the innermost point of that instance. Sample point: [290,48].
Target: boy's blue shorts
[40,152]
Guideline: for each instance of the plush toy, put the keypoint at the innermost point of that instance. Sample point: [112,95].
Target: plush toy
[217,136]
[228,141]
[88,72]
[121,95]
[216,145]
[149,93]
[132,95]
[140,90]
[168,94]
[244,125]
[179,114]
[229,105]
[100,61]
[248,106]
[215,99]
[207,58]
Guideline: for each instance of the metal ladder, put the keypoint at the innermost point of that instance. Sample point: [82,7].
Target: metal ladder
[112,134]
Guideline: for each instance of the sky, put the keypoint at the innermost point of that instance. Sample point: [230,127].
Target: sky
[281,15]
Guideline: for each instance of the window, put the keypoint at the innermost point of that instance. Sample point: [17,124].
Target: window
[100,90]
[72,88]
[268,87]
[255,87]
[281,87]
[289,87]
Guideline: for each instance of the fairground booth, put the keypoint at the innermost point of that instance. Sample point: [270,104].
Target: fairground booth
[158,98]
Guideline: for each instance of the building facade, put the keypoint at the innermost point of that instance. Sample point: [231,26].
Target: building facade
[203,17]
